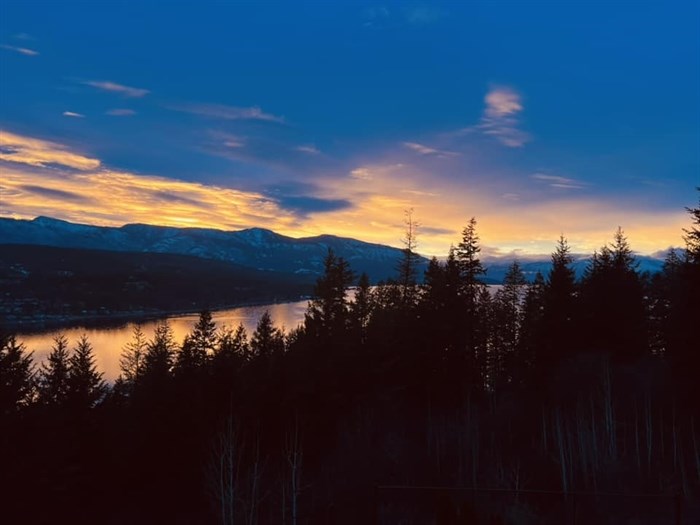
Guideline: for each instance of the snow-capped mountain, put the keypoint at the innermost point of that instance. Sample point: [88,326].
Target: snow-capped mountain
[255,247]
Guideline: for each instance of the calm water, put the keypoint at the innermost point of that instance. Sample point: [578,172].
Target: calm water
[109,342]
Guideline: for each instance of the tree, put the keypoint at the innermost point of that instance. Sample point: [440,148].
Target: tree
[204,337]
[559,310]
[85,385]
[53,376]
[692,235]
[327,314]
[508,318]
[407,267]
[361,307]
[267,340]
[16,376]
[614,308]
[470,267]
[132,360]
[160,353]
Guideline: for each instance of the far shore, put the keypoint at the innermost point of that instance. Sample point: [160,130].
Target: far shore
[45,322]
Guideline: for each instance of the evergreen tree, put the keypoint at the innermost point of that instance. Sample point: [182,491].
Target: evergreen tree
[531,338]
[204,338]
[160,353]
[327,315]
[132,360]
[85,385]
[53,376]
[16,376]
[361,308]
[470,268]
[508,318]
[232,344]
[614,318]
[267,340]
[559,310]
[692,235]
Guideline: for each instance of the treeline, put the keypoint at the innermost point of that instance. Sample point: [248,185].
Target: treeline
[560,385]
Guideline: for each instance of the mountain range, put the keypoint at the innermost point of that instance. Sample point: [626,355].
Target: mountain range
[257,248]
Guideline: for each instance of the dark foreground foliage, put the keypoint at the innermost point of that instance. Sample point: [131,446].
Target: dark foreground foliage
[558,401]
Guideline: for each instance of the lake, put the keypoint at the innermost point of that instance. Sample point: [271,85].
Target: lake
[108,342]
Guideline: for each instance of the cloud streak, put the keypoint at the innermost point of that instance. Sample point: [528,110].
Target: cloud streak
[41,153]
[223,112]
[554,181]
[422,149]
[73,114]
[120,89]
[120,112]
[21,50]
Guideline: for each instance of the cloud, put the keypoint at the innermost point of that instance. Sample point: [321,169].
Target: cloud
[554,181]
[422,15]
[73,114]
[500,118]
[42,153]
[110,197]
[120,112]
[305,204]
[52,193]
[120,89]
[310,149]
[21,50]
[223,112]
[422,149]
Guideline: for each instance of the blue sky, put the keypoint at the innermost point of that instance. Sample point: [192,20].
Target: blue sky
[539,118]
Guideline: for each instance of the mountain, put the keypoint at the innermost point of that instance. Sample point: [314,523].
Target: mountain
[255,247]
[50,284]
[498,267]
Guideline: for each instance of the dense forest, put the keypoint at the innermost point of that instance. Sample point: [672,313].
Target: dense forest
[555,401]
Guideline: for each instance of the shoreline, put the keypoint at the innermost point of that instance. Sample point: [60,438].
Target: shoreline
[34,324]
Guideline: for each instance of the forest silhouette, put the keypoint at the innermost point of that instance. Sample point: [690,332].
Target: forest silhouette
[434,400]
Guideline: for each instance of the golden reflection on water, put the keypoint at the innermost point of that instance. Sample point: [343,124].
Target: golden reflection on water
[109,342]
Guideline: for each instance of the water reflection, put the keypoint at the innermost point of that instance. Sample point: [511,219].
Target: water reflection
[108,342]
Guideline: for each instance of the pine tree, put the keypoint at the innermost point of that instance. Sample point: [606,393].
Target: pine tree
[508,318]
[361,307]
[132,360]
[160,353]
[327,315]
[692,235]
[470,268]
[16,376]
[53,376]
[267,340]
[204,337]
[85,385]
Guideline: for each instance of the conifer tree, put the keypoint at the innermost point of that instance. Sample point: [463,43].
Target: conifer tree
[267,340]
[327,315]
[132,360]
[160,353]
[54,372]
[16,376]
[407,267]
[85,385]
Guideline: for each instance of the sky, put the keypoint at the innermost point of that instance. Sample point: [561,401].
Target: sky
[539,118]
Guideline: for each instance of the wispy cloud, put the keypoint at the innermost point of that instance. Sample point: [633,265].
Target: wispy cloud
[73,114]
[423,14]
[310,149]
[422,149]
[501,117]
[554,181]
[120,112]
[21,50]
[121,89]
[223,112]
[42,153]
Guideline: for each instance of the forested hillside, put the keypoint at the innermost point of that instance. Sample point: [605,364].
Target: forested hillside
[564,400]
